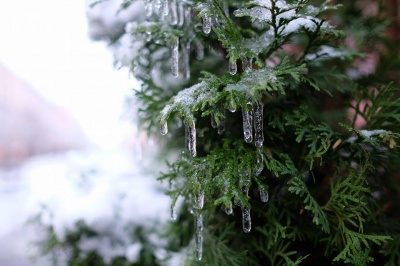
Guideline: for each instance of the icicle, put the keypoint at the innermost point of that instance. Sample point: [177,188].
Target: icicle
[199,200]
[164,128]
[174,13]
[260,162]
[246,219]
[149,8]
[247,124]
[264,195]
[206,24]
[199,50]
[232,106]
[181,14]
[186,60]
[258,124]
[213,123]
[232,67]
[199,236]
[246,64]
[187,136]
[164,8]
[192,140]
[175,58]
[173,212]
[229,210]
[188,16]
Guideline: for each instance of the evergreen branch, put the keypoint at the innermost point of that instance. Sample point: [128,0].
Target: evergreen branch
[298,187]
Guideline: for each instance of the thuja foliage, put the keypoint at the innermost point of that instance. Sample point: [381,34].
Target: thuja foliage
[298,181]
[287,154]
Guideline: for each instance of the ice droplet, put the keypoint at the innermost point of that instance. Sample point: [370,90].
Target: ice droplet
[164,128]
[264,195]
[199,236]
[213,123]
[192,140]
[232,106]
[199,50]
[174,13]
[175,57]
[173,212]
[228,210]
[186,60]
[247,124]
[181,14]
[232,67]
[206,24]
[258,124]
[199,200]
[260,162]
[246,219]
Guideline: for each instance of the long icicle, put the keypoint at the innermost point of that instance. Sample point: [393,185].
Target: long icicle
[174,13]
[199,236]
[199,200]
[207,24]
[192,139]
[260,162]
[246,217]
[186,60]
[248,123]
[175,57]
[258,124]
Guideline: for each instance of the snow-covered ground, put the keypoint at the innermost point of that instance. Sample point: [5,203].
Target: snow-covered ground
[46,43]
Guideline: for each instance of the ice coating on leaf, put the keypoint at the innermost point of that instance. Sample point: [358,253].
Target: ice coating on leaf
[232,67]
[199,236]
[175,57]
[246,219]
[174,13]
[258,124]
[164,128]
[298,23]
[206,24]
[326,52]
[248,124]
[192,140]
[264,195]
[369,133]
[199,200]
[254,79]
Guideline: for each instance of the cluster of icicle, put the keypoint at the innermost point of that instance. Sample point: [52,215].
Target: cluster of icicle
[178,14]
[252,114]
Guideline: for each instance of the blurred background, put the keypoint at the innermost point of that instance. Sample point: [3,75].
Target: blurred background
[64,145]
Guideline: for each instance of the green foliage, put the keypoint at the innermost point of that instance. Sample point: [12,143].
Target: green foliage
[329,137]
